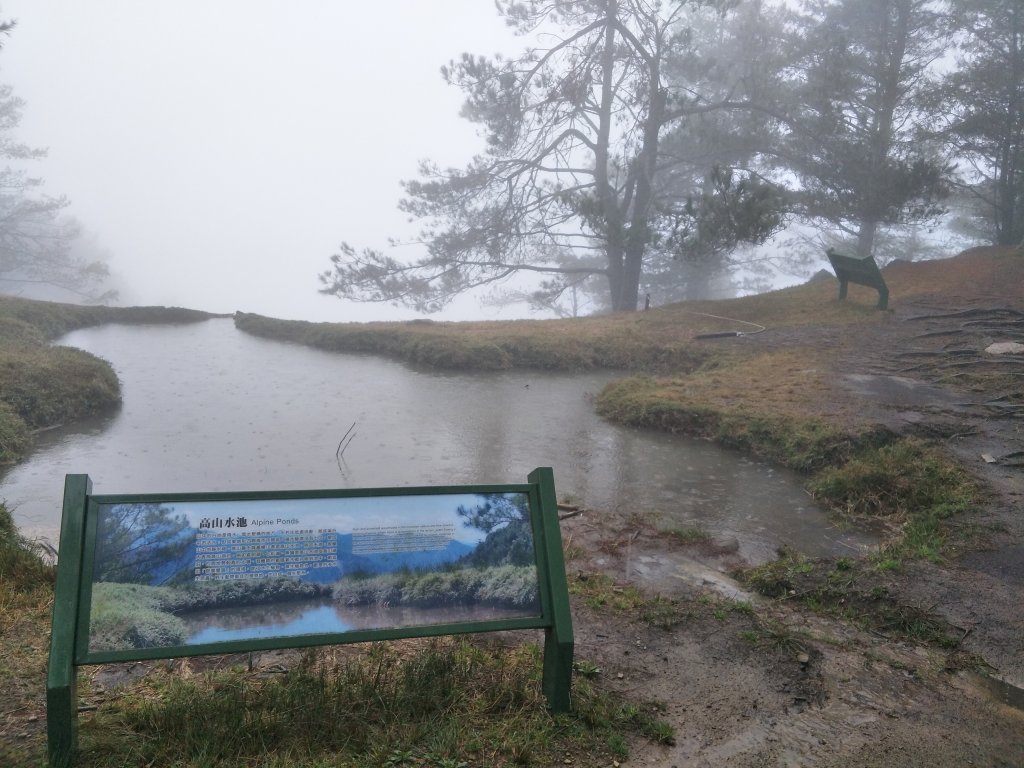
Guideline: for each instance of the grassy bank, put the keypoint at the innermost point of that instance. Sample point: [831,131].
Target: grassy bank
[558,345]
[663,339]
[718,404]
[44,386]
[22,568]
[906,488]
[126,616]
[507,586]
[863,473]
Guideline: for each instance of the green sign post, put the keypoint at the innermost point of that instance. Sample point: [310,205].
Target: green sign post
[160,576]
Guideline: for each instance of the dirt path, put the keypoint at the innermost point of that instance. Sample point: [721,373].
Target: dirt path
[916,373]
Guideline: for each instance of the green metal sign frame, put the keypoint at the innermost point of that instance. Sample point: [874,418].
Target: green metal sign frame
[69,642]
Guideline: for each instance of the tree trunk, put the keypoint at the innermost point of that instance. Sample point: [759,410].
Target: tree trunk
[645,168]
[629,290]
[610,209]
[615,275]
[895,35]
[1009,230]
[866,238]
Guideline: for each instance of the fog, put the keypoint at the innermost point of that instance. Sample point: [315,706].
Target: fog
[221,151]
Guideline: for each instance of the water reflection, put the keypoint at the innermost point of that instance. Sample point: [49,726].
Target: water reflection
[288,620]
[309,617]
[209,408]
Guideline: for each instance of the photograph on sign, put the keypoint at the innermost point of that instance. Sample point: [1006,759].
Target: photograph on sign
[181,573]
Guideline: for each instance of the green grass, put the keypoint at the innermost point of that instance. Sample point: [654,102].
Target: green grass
[850,590]
[507,585]
[36,321]
[126,616]
[15,436]
[776,637]
[690,534]
[22,567]
[46,386]
[600,592]
[910,486]
[433,703]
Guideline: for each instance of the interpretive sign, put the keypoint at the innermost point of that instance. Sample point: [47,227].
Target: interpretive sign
[161,576]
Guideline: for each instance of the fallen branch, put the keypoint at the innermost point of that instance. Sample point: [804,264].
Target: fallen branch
[969,363]
[343,444]
[963,434]
[969,313]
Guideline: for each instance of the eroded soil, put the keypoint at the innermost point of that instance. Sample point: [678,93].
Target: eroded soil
[781,686]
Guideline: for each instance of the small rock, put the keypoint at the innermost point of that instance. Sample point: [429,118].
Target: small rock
[1005,348]
[620,676]
[803,658]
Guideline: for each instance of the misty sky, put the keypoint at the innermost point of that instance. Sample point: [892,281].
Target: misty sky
[222,150]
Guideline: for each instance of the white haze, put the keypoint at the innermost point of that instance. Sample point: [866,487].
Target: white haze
[222,150]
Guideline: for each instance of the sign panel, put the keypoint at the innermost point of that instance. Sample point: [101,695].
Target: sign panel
[169,574]
[159,576]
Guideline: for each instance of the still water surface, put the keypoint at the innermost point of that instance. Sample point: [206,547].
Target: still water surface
[305,617]
[208,408]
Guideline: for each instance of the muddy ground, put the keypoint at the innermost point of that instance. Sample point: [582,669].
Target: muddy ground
[809,691]
[824,693]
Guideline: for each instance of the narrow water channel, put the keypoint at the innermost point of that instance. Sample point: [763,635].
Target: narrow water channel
[207,408]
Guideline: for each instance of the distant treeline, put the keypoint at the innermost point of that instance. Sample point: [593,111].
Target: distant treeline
[506,586]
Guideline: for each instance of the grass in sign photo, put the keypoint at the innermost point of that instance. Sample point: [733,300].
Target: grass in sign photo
[193,573]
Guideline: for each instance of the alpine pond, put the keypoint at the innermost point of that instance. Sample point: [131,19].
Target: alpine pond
[208,408]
